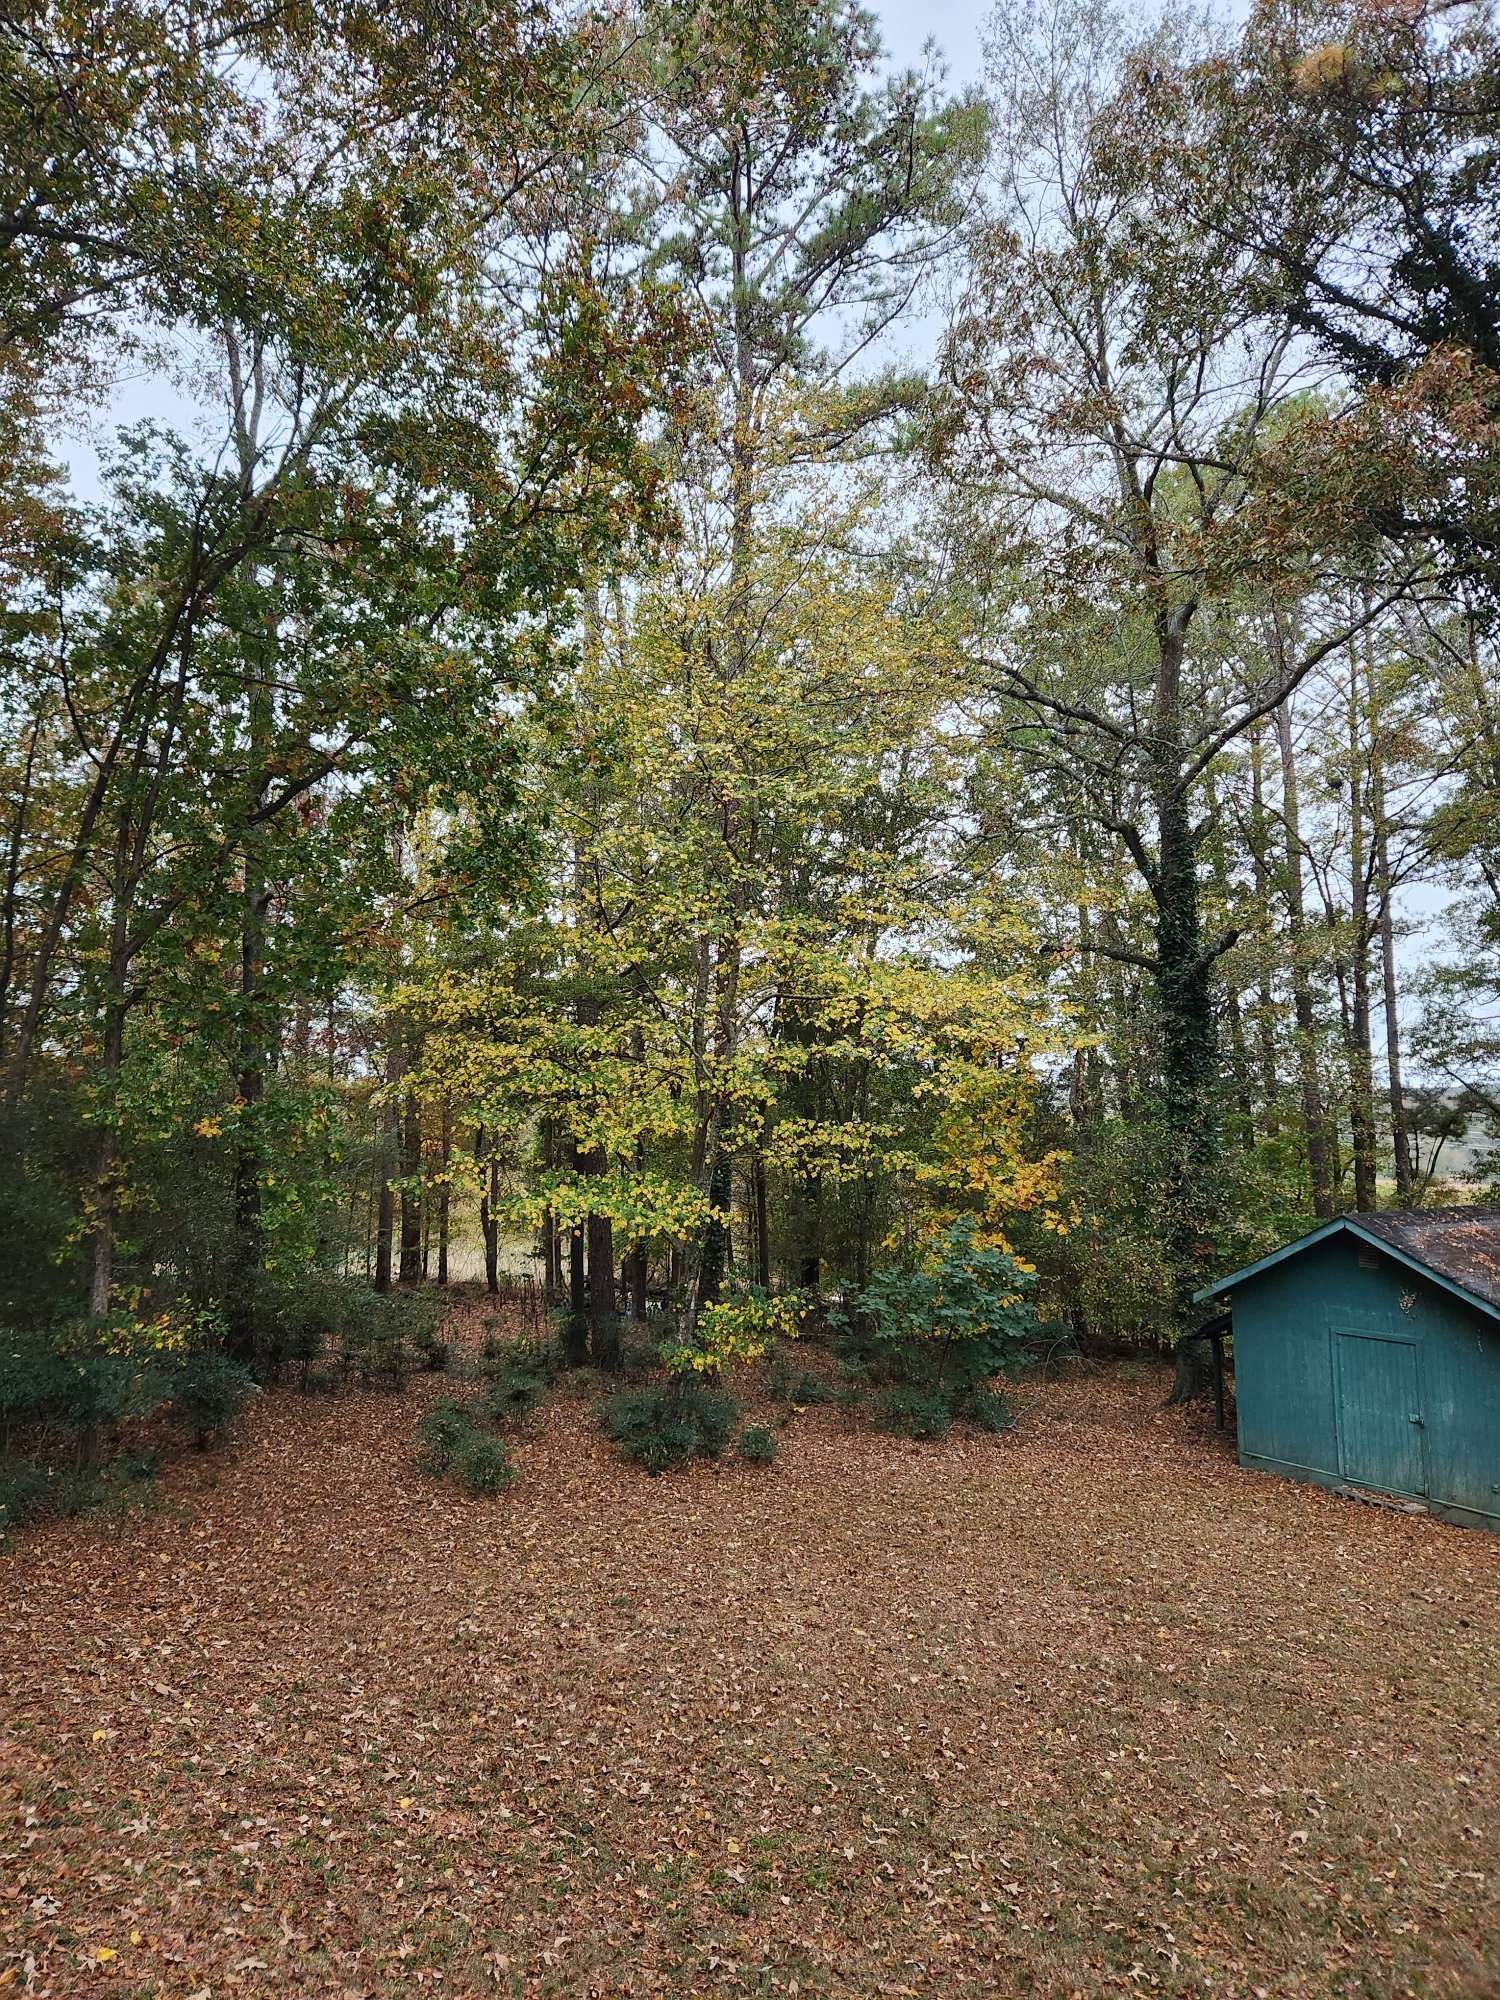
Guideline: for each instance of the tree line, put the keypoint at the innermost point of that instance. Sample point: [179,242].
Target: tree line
[583,755]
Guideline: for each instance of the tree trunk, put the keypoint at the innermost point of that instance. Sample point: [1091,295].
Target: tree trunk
[489,1227]
[390,1146]
[639,1278]
[551,1249]
[604,1325]
[762,1224]
[1361,1066]
[411,1190]
[444,1190]
[713,1257]
[1385,890]
[106,1192]
[250,1086]
[1189,1079]
[1400,1130]
[1314,1115]
[1265,1009]
[15,853]
[810,1255]
[576,1324]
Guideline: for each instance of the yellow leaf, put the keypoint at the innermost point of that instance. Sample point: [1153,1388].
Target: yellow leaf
[104,1954]
[404,1803]
[99,1735]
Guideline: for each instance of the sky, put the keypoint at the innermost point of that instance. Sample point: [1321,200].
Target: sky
[953,24]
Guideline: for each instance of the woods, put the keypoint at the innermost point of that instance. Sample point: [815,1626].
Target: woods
[749,999]
[581,750]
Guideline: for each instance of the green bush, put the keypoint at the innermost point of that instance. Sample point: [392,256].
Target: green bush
[945,1326]
[440,1432]
[913,1412]
[208,1393]
[669,1423]
[27,1493]
[988,1409]
[64,1380]
[758,1446]
[482,1465]
[715,1413]
[537,1356]
[513,1394]
[303,1317]
[434,1354]
[796,1384]
[31,1492]
[453,1443]
[35,1381]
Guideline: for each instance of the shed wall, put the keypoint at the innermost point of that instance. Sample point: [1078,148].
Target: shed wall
[1286,1363]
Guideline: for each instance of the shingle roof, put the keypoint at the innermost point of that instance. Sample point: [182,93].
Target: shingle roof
[1461,1243]
[1458,1247]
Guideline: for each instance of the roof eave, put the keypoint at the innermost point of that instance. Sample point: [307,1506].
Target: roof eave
[1347,1224]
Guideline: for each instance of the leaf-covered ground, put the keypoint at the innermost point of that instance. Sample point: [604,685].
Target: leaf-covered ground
[1085,1709]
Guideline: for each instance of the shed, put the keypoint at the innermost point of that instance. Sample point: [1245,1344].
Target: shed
[1367,1356]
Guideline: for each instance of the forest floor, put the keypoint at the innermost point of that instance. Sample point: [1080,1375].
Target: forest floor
[1085,1709]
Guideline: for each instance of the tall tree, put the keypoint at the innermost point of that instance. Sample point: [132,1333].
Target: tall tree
[1113,388]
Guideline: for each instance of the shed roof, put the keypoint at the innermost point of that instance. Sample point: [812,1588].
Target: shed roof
[1458,1248]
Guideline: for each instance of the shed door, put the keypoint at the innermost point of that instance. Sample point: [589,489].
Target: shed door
[1380,1418]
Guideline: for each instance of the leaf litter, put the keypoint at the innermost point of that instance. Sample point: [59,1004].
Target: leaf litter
[1085,1709]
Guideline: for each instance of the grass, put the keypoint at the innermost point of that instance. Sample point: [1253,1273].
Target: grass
[1085,1709]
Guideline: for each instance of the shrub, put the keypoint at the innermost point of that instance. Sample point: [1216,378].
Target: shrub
[62,1381]
[452,1443]
[299,1316]
[988,1409]
[946,1326]
[791,1383]
[434,1354]
[34,1380]
[913,1412]
[758,1446]
[30,1492]
[717,1415]
[208,1393]
[537,1356]
[439,1434]
[481,1464]
[513,1394]
[742,1326]
[26,1494]
[304,1315]
[669,1423]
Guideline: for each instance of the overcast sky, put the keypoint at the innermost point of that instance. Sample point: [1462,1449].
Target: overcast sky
[953,24]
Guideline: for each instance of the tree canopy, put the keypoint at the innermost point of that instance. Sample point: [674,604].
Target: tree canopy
[718,669]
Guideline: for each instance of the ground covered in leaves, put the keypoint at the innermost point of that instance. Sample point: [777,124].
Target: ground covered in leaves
[1083,1709]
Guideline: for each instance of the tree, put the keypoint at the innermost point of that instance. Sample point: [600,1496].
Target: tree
[1113,393]
[801,203]
[1365,144]
[348,601]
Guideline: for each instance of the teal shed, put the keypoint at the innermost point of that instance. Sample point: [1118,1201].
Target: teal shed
[1367,1357]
